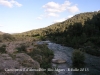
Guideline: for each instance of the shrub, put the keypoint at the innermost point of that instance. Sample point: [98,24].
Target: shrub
[78,57]
[40,53]
[43,38]
[43,55]
[3,49]
[7,37]
[22,48]
[92,50]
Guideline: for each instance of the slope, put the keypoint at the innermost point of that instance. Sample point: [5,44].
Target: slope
[80,31]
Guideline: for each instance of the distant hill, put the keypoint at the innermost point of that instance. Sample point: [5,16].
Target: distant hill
[80,31]
[82,18]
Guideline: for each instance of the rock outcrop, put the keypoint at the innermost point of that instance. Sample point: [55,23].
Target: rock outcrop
[17,61]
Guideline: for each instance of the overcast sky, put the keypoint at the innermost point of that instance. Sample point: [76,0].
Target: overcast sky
[22,15]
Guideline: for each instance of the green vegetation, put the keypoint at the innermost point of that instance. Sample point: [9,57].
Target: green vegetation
[6,37]
[22,48]
[13,56]
[3,49]
[75,32]
[78,57]
[40,53]
[43,55]
[80,31]
[43,38]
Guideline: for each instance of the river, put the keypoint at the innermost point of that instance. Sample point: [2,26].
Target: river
[91,67]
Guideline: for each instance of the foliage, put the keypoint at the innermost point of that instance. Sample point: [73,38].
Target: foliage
[40,53]
[7,36]
[74,32]
[91,49]
[3,49]
[42,38]
[78,57]
[13,56]
[45,55]
[22,48]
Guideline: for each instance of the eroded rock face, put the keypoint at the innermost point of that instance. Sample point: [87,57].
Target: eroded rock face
[17,61]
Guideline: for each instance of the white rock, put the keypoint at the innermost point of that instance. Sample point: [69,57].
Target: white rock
[58,61]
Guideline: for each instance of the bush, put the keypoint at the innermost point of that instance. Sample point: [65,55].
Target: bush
[42,38]
[22,48]
[40,53]
[92,50]
[7,37]
[78,57]
[43,55]
[3,49]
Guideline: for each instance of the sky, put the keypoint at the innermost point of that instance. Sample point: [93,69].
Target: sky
[18,16]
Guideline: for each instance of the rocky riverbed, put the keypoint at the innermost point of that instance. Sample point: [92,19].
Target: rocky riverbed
[91,67]
[63,53]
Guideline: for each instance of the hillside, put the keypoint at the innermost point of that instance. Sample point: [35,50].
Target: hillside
[82,18]
[81,31]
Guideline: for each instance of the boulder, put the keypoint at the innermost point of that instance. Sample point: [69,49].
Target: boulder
[58,61]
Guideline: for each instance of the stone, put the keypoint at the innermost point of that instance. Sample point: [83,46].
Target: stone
[58,61]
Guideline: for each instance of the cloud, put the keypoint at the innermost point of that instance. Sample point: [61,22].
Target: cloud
[40,18]
[53,9]
[63,19]
[10,3]
[73,9]
[52,14]
[51,5]
[69,16]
